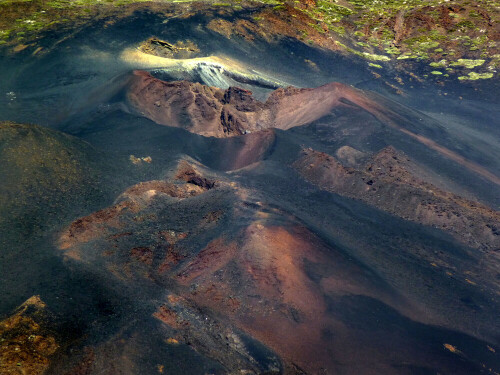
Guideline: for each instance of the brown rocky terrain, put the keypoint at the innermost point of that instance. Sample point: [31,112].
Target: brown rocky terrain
[386,181]
[26,344]
[261,283]
[131,201]
[162,48]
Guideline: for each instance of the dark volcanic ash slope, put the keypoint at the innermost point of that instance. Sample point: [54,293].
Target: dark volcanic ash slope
[43,171]
[216,269]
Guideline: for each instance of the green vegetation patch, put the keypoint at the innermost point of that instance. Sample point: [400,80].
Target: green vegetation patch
[375,57]
[439,64]
[468,63]
[473,76]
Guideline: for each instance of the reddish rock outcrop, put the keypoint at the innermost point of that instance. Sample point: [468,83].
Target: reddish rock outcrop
[211,111]
[253,279]
[132,201]
[187,173]
[386,181]
[272,298]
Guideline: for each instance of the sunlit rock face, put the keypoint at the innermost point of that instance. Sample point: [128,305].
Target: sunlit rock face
[211,111]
